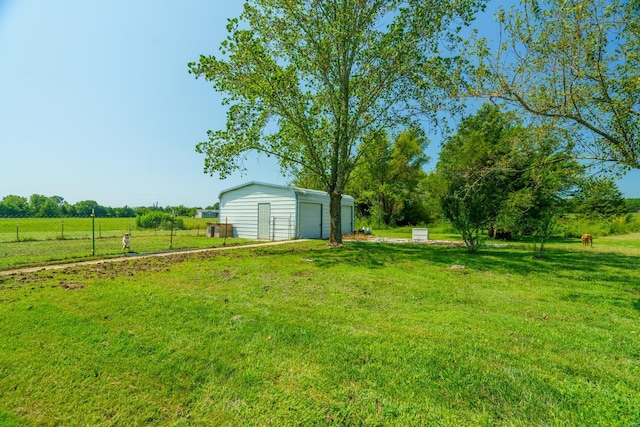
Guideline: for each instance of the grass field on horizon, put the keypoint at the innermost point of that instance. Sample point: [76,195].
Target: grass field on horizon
[35,229]
[366,334]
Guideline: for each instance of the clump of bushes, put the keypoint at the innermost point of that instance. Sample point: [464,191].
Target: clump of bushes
[159,219]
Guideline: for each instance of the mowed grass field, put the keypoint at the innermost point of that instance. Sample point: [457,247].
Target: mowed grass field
[303,334]
[33,241]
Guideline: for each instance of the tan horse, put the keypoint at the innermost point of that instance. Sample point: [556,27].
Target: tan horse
[587,239]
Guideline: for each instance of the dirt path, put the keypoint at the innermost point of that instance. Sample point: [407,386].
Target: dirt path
[134,256]
[138,256]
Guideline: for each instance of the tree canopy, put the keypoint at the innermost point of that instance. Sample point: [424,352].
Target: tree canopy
[387,183]
[313,82]
[495,170]
[599,198]
[544,176]
[575,63]
[474,173]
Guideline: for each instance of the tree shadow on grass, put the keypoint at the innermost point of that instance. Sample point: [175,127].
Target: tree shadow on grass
[578,264]
[558,264]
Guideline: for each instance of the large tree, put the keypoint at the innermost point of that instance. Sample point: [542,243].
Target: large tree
[599,198]
[475,172]
[545,175]
[312,82]
[576,63]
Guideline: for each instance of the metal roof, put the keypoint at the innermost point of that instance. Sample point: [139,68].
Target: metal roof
[296,190]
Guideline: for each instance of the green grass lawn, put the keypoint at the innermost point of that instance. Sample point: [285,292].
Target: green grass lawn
[301,334]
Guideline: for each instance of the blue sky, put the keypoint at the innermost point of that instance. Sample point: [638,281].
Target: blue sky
[96,102]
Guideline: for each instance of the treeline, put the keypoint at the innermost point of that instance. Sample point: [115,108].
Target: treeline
[39,206]
[633,204]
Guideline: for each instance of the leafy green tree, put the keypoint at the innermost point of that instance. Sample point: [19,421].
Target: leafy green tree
[87,207]
[475,172]
[181,210]
[14,207]
[58,200]
[545,176]
[496,172]
[68,210]
[45,207]
[141,210]
[387,180]
[36,201]
[599,198]
[574,63]
[430,192]
[124,212]
[310,82]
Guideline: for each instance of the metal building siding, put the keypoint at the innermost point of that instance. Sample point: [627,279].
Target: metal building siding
[347,217]
[239,206]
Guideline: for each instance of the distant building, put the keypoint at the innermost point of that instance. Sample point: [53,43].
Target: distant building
[207,213]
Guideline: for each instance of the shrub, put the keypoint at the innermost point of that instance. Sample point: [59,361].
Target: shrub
[158,219]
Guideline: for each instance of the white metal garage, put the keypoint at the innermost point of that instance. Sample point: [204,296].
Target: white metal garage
[275,212]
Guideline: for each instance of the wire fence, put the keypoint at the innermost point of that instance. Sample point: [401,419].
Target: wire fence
[29,241]
[282,228]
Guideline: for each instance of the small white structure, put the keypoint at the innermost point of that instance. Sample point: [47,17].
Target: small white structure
[258,210]
[420,234]
[206,213]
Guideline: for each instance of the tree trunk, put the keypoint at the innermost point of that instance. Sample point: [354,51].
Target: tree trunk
[335,212]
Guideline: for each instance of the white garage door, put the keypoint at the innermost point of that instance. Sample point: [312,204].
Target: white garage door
[310,217]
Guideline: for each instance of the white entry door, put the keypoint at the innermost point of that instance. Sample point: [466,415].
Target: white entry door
[264,219]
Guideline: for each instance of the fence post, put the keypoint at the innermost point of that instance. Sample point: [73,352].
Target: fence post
[63,229]
[17,233]
[93,232]
[171,236]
